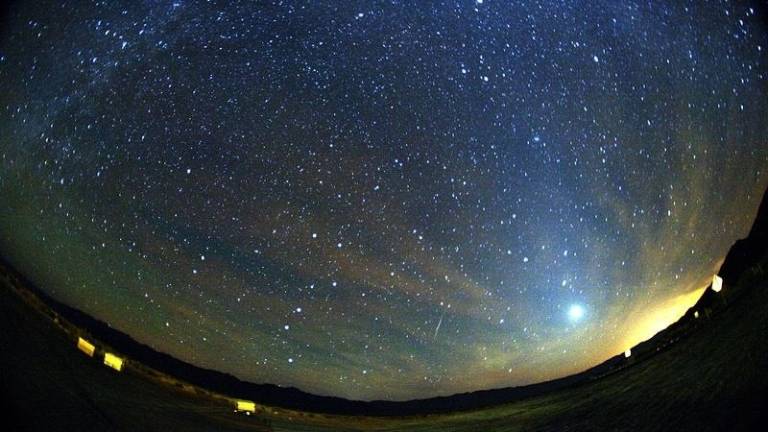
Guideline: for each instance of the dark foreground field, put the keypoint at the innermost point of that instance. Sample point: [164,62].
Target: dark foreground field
[706,373]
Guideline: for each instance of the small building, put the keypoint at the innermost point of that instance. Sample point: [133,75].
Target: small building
[86,347]
[717,283]
[113,361]
[247,407]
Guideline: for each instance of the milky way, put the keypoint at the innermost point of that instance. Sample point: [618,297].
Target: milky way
[381,200]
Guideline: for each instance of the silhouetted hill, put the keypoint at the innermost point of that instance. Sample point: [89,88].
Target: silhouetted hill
[747,252]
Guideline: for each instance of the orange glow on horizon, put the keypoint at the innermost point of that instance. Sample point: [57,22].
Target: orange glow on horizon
[653,320]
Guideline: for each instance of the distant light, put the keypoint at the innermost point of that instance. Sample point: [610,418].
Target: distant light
[717,283]
[627,353]
[575,312]
[86,347]
[246,406]
[113,361]
[695,314]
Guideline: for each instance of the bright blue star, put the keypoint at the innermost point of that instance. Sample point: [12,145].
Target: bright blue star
[576,312]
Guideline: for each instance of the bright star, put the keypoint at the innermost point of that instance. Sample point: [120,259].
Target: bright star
[575,312]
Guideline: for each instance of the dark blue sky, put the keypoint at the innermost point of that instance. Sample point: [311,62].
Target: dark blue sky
[381,199]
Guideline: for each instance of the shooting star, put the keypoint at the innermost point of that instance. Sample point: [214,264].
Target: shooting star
[437,329]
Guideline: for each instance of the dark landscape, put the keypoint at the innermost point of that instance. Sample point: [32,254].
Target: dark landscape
[701,373]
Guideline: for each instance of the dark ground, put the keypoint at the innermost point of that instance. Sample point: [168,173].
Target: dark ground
[709,373]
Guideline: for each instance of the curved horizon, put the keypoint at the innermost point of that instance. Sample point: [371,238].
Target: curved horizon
[376,201]
[108,338]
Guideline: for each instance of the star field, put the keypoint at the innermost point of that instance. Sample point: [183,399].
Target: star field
[381,200]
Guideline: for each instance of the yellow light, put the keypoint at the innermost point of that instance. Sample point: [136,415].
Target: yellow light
[86,347]
[246,406]
[657,318]
[696,314]
[113,361]
[627,353]
[717,283]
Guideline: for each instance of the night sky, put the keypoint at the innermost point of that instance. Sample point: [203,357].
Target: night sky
[381,199]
